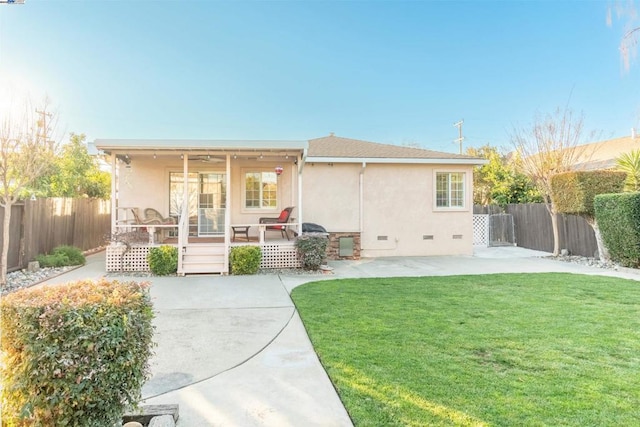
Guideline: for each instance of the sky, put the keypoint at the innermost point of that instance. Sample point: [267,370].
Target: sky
[396,72]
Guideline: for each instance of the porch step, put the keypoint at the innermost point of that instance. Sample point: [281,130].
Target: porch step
[203,258]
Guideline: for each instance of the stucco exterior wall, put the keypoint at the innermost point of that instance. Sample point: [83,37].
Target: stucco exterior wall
[331,196]
[399,217]
[144,184]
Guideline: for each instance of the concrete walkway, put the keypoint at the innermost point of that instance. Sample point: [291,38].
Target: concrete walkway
[232,351]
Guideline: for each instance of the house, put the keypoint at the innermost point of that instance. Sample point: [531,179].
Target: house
[603,154]
[373,199]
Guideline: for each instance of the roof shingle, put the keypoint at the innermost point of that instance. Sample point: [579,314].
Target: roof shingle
[335,146]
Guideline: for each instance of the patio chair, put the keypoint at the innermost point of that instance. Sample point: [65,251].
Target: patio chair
[143,221]
[279,222]
[150,214]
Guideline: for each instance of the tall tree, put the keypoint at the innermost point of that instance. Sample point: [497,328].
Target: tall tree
[74,173]
[547,147]
[499,181]
[26,151]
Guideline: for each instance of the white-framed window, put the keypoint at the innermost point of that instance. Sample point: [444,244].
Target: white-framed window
[450,189]
[260,190]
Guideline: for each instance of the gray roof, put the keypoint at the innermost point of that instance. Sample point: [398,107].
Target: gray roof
[337,148]
[326,149]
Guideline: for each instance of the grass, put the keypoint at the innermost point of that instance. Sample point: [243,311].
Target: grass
[495,350]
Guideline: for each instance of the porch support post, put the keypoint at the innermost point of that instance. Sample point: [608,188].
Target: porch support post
[227,201]
[114,203]
[227,215]
[300,165]
[185,194]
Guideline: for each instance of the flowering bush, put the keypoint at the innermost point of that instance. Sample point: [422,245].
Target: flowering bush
[74,354]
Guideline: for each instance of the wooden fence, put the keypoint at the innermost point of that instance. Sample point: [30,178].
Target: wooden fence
[533,230]
[38,226]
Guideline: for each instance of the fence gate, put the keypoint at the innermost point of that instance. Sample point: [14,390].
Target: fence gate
[501,230]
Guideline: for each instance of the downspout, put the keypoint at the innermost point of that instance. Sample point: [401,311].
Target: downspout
[364,165]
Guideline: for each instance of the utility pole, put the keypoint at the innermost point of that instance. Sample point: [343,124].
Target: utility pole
[460,137]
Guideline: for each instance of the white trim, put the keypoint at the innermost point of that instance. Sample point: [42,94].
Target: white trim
[198,144]
[387,160]
[243,190]
[465,199]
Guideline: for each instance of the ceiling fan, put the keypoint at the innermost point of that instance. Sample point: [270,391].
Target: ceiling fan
[205,158]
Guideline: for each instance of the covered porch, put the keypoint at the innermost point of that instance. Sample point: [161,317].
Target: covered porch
[203,197]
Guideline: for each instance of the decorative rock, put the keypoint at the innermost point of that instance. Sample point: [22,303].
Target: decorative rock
[162,421]
[25,278]
[33,266]
[132,424]
[564,252]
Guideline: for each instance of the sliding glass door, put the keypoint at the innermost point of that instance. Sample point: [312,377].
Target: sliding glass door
[207,201]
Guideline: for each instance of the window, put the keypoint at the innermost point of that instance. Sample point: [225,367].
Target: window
[260,190]
[450,189]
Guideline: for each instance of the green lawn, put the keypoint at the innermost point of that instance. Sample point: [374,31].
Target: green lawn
[499,350]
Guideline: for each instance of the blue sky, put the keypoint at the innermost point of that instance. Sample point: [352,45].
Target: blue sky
[399,72]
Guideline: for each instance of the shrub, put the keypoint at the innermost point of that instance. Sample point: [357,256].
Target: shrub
[62,256]
[74,354]
[163,260]
[312,249]
[618,217]
[245,259]
[573,192]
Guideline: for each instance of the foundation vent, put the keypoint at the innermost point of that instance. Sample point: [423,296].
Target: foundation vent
[457,236]
[382,237]
[427,237]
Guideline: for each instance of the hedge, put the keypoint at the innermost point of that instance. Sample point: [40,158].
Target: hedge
[163,260]
[618,216]
[245,259]
[75,354]
[573,192]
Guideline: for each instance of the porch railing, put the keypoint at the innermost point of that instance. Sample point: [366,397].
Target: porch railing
[292,227]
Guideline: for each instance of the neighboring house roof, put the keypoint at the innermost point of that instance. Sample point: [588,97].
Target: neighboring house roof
[338,149]
[603,154]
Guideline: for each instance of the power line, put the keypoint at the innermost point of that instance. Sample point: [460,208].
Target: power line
[460,137]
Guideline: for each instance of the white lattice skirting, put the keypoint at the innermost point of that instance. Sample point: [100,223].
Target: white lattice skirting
[275,255]
[279,255]
[134,260]
[481,230]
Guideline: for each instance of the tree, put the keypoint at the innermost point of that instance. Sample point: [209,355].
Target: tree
[574,192]
[25,154]
[499,181]
[630,164]
[74,173]
[547,147]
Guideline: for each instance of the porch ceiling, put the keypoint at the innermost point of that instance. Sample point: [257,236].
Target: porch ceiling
[198,145]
